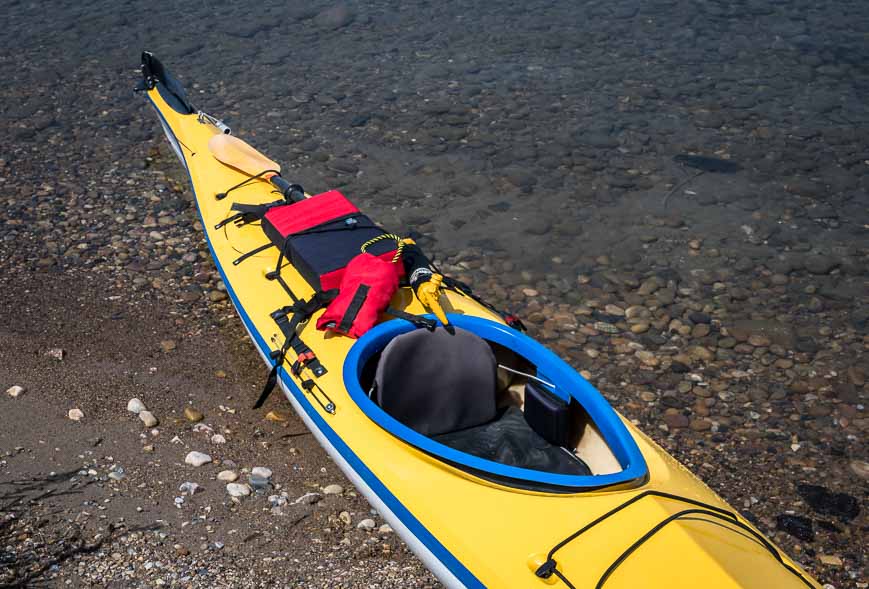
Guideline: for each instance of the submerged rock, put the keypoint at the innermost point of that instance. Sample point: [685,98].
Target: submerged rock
[840,505]
[797,526]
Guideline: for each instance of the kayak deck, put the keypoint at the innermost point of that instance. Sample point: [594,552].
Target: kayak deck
[471,531]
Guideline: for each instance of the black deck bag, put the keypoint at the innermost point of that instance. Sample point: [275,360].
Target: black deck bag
[547,414]
[321,234]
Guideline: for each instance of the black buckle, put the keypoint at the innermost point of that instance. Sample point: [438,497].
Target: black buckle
[547,569]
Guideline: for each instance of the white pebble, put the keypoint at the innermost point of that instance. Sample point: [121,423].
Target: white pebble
[227,476]
[333,490]
[308,499]
[366,524]
[237,490]
[218,439]
[15,391]
[136,406]
[261,471]
[197,458]
[189,488]
[148,418]
[75,414]
[385,529]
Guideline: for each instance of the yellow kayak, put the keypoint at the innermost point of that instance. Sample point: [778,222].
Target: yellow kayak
[526,477]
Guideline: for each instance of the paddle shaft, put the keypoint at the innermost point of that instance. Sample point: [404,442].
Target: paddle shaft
[291,192]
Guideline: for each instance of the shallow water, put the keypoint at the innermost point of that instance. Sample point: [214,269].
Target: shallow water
[544,129]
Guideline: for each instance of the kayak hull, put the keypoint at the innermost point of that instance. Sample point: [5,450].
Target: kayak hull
[469,531]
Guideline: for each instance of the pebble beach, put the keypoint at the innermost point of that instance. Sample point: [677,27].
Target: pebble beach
[673,197]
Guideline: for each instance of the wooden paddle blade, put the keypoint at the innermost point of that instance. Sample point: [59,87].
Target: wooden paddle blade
[234,152]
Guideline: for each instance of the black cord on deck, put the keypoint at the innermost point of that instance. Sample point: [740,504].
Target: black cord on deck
[222,195]
[550,567]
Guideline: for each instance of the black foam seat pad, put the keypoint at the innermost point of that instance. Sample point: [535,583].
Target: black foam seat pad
[437,382]
[509,440]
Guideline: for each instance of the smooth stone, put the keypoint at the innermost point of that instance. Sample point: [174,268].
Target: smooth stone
[701,425]
[309,499]
[218,439]
[75,414]
[15,391]
[385,529]
[237,490]
[345,518]
[860,468]
[777,332]
[215,296]
[193,415]
[701,353]
[636,311]
[366,524]
[676,420]
[821,264]
[648,396]
[855,374]
[648,287]
[277,417]
[261,471]
[700,318]
[227,476]
[647,358]
[700,330]
[605,327]
[136,406]
[148,419]
[830,560]
[333,489]
[189,488]
[641,327]
[779,279]
[197,458]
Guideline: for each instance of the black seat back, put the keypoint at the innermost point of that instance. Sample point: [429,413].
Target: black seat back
[437,382]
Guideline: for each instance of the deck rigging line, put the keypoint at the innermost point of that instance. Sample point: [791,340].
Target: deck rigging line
[550,567]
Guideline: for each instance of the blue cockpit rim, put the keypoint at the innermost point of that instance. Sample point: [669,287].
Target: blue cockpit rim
[554,368]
